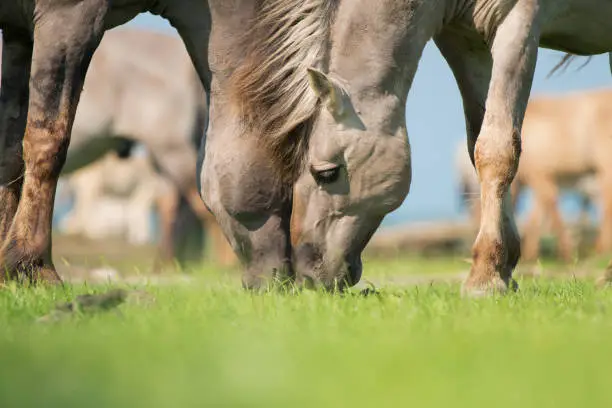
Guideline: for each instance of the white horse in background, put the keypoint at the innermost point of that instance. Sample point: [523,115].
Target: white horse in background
[114,198]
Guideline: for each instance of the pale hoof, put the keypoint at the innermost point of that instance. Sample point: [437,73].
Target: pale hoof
[49,276]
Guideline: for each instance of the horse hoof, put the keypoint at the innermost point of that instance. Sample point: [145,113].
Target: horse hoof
[27,272]
[46,275]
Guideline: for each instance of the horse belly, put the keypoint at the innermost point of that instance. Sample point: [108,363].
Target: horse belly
[123,11]
[579,27]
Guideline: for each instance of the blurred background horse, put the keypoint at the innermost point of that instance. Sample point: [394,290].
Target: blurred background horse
[114,197]
[142,87]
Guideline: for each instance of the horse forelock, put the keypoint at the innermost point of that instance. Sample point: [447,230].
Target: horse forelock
[270,86]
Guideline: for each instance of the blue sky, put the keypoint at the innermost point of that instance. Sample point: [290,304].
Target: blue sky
[436,124]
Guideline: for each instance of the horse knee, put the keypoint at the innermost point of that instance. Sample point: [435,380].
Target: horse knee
[497,155]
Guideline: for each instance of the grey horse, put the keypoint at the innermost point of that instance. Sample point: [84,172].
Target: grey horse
[306,150]
[324,84]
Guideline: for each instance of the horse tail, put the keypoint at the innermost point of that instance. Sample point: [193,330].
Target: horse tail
[464,193]
[566,62]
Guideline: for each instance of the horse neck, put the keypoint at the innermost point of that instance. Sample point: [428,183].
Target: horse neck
[378,46]
[231,21]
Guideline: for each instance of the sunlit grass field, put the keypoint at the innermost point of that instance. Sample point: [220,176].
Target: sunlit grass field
[209,343]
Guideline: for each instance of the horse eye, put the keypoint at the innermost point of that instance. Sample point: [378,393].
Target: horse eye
[326,176]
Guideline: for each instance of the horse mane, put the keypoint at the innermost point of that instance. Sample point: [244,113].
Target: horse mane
[270,86]
[566,62]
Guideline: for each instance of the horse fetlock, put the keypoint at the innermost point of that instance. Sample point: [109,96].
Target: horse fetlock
[26,262]
[475,288]
[492,266]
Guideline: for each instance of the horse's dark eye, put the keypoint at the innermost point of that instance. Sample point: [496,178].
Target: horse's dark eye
[326,176]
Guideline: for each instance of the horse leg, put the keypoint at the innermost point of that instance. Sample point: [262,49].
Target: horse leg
[59,63]
[16,61]
[496,250]
[139,210]
[547,194]
[167,204]
[531,235]
[472,71]
[604,239]
[564,240]
[496,150]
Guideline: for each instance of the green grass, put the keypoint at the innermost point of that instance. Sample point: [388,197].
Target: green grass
[215,345]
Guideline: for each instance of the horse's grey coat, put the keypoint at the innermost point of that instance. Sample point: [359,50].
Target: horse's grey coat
[57,39]
[344,138]
[491,47]
[359,58]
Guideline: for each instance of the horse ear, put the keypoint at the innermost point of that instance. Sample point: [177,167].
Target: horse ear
[328,91]
[336,99]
